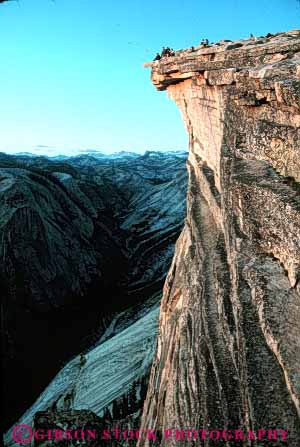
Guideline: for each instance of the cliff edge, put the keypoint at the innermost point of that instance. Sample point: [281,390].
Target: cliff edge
[228,354]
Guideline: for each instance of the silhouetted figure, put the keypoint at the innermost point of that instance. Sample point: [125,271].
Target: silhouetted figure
[68,401]
[204,42]
[170,52]
[167,52]
[82,360]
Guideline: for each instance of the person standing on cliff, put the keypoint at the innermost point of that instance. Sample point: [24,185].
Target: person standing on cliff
[204,43]
[82,360]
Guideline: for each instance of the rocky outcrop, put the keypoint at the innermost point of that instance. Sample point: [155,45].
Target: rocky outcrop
[71,231]
[110,380]
[228,353]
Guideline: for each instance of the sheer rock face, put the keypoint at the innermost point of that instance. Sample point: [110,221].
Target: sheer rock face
[228,352]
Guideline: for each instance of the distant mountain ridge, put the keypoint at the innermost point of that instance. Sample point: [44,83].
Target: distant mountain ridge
[95,153]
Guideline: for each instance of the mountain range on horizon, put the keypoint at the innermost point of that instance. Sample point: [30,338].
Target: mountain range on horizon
[41,151]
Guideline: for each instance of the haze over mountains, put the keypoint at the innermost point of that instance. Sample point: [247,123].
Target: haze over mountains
[55,153]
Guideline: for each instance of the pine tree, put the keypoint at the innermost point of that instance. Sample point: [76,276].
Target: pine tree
[116,411]
[132,400]
[124,406]
[107,415]
[144,387]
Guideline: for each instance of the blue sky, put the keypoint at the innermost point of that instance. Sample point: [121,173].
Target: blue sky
[72,73]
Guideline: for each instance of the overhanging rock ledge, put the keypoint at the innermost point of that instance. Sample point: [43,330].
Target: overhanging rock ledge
[228,351]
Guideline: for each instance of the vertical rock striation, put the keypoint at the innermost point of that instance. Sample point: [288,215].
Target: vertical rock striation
[228,352]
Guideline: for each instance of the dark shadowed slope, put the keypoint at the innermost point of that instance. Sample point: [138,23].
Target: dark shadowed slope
[79,244]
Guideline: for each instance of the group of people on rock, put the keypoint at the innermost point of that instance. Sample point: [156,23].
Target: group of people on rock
[166,52]
[267,36]
[204,42]
[169,52]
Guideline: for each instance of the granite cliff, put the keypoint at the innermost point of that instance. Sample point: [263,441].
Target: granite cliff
[228,351]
